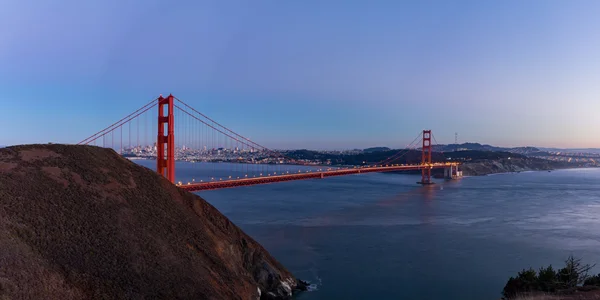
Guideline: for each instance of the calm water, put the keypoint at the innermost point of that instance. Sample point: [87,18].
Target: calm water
[381,236]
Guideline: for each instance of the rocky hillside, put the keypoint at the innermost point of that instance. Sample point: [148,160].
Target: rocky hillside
[505,165]
[80,222]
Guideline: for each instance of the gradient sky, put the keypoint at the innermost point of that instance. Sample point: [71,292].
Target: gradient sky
[308,74]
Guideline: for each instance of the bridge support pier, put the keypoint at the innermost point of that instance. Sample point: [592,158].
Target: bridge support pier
[452,172]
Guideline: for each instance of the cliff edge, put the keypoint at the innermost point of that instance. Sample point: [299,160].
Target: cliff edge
[81,222]
[485,167]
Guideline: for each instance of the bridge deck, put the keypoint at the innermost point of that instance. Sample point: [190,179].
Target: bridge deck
[221,184]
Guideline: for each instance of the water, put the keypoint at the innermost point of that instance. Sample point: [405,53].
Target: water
[381,236]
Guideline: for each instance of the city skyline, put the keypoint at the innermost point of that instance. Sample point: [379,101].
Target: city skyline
[333,75]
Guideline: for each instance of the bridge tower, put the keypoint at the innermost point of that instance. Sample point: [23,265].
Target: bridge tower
[426,158]
[165,166]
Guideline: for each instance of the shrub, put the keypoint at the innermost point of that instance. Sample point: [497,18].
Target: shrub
[592,280]
[548,280]
[526,281]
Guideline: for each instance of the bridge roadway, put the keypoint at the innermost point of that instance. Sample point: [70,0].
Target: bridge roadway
[229,183]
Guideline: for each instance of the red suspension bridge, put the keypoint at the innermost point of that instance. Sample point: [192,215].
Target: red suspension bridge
[201,139]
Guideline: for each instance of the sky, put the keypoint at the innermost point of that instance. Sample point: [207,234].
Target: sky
[308,74]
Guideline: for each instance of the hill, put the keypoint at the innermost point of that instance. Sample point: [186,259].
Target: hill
[481,155]
[376,149]
[572,150]
[480,147]
[81,222]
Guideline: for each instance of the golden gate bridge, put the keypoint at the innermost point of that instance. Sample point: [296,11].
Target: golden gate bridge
[258,164]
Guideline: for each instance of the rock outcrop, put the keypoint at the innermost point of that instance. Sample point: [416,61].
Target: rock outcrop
[81,222]
[484,167]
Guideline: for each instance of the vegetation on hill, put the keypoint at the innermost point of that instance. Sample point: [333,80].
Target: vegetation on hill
[408,156]
[480,147]
[376,149]
[571,279]
[475,155]
[475,162]
[81,222]
[411,156]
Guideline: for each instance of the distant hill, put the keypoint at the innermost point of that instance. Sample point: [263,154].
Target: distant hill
[483,147]
[572,150]
[530,151]
[376,149]
[81,222]
[478,155]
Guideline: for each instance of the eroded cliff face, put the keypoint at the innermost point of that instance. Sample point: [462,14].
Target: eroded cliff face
[81,222]
[485,167]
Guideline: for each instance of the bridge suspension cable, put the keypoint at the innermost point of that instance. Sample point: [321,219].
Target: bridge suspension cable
[218,124]
[119,123]
[435,142]
[186,134]
[400,153]
[240,138]
[211,126]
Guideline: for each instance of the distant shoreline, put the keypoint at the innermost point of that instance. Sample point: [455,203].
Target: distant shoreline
[503,167]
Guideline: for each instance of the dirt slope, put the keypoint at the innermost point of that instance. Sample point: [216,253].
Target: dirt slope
[80,222]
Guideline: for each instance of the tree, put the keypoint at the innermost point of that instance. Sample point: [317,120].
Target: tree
[547,279]
[526,281]
[574,273]
[592,280]
[513,287]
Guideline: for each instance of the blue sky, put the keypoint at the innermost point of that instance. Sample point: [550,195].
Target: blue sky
[308,74]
